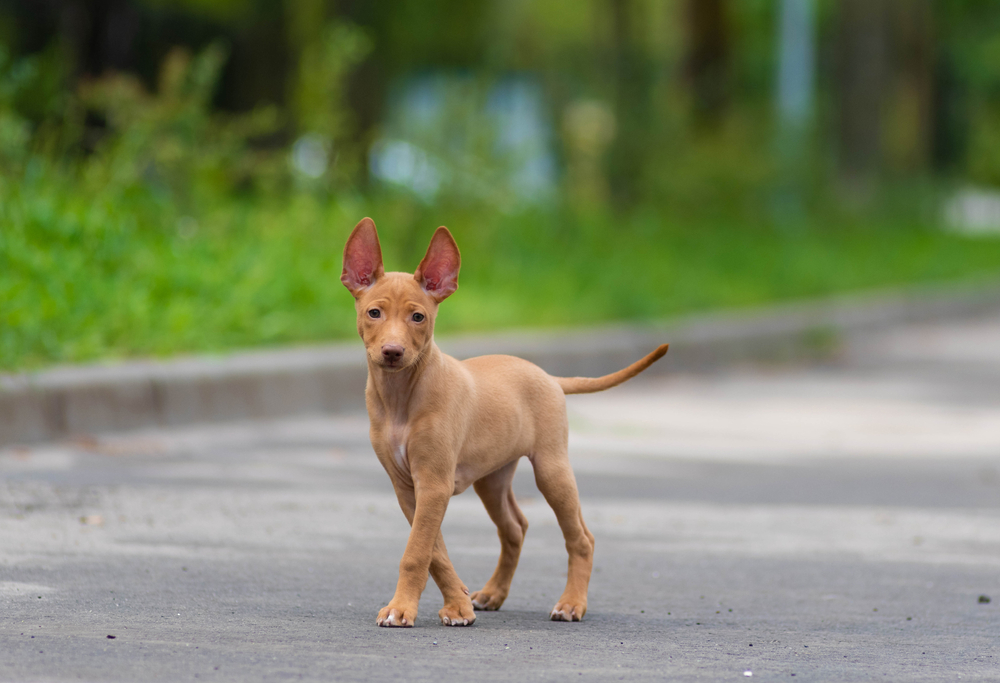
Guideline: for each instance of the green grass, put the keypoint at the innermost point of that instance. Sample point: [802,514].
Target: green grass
[88,272]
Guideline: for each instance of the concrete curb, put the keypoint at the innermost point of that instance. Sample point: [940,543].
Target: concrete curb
[66,401]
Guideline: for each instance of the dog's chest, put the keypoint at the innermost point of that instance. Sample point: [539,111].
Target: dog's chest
[397,435]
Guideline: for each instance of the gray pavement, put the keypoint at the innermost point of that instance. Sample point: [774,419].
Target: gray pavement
[833,522]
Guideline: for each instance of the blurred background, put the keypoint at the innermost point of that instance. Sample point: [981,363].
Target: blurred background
[180,176]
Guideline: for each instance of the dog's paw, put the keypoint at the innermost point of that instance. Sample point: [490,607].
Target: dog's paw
[488,600]
[568,611]
[457,614]
[394,616]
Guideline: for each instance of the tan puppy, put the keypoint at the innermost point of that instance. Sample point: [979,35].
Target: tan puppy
[439,425]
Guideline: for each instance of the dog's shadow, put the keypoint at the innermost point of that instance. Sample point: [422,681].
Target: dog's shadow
[518,621]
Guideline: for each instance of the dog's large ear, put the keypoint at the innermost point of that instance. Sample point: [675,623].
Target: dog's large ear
[438,272]
[362,258]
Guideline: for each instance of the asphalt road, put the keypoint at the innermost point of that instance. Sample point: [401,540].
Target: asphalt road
[834,523]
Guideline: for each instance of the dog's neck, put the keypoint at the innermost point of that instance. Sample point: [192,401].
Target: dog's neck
[394,390]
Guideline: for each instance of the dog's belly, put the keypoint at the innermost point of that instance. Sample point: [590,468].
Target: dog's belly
[464,478]
[472,467]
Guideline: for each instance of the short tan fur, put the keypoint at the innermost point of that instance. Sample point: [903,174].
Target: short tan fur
[439,425]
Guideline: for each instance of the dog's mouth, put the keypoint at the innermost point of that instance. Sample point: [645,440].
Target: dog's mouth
[391,363]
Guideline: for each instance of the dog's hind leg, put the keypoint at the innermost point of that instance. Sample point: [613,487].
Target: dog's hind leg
[498,497]
[555,480]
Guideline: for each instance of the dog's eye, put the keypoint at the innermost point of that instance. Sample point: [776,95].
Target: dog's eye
[418,317]
[374,313]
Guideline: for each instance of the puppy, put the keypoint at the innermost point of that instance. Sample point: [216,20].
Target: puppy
[439,425]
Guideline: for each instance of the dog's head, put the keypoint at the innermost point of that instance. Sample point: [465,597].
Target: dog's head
[396,311]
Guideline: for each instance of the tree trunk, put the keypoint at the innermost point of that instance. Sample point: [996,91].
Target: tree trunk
[909,127]
[631,90]
[707,64]
[862,77]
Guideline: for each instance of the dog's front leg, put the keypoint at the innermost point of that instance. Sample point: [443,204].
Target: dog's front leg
[430,503]
[458,609]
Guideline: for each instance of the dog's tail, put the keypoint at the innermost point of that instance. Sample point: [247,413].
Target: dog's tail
[588,385]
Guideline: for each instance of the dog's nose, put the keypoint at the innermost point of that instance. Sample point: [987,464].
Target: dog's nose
[392,352]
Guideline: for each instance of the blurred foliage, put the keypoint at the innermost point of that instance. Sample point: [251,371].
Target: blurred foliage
[119,271]
[327,54]
[171,140]
[36,111]
[155,212]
